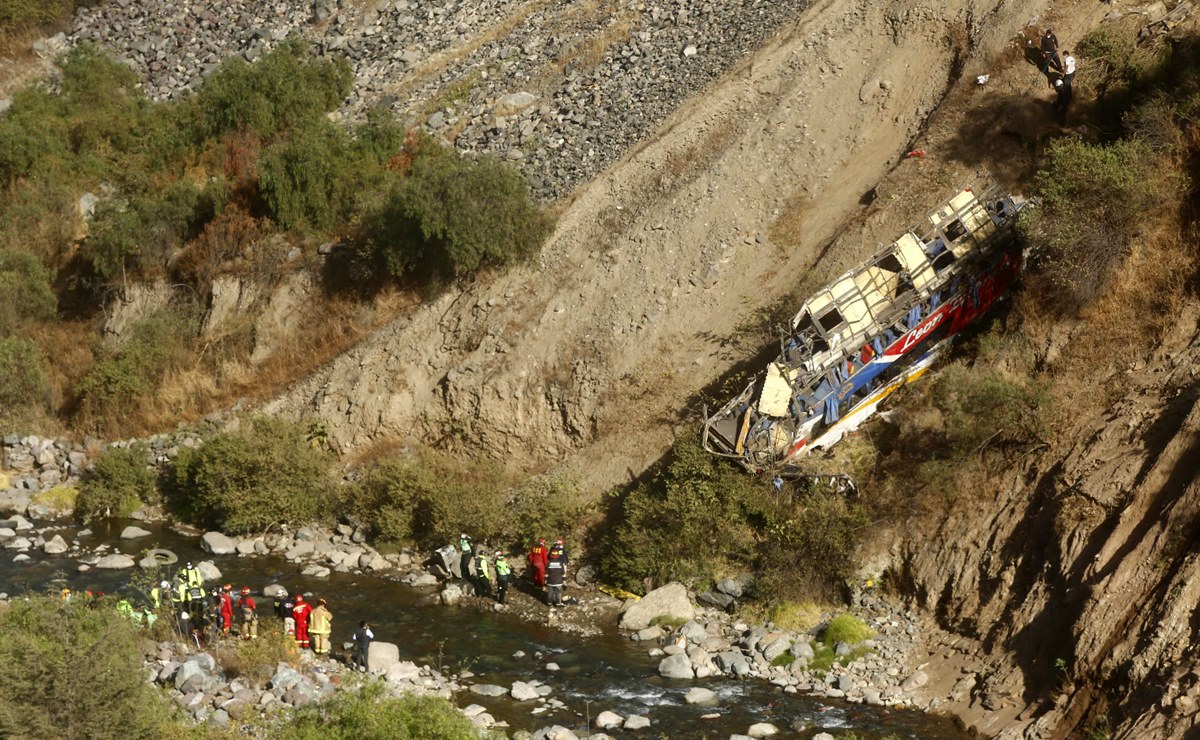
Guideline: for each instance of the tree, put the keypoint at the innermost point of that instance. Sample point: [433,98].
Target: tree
[70,671]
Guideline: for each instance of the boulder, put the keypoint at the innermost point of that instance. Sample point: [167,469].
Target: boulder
[190,678]
[522,691]
[206,662]
[609,720]
[488,689]
[316,571]
[675,666]
[914,681]
[700,695]
[557,732]
[650,633]
[14,501]
[405,670]
[762,729]
[116,561]
[716,600]
[636,722]
[693,632]
[452,594]
[382,656]
[425,580]
[285,677]
[670,601]
[730,587]
[208,571]
[803,650]
[246,547]
[299,550]
[218,544]
[776,648]
[133,532]
[22,543]
[273,590]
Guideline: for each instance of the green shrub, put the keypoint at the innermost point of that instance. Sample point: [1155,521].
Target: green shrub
[547,506]
[25,388]
[25,293]
[18,16]
[683,524]
[1015,408]
[428,499]
[288,87]
[255,661]
[154,347]
[846,628]
[259,476]
[33,130]
[119,483]
[1094,200]
[453,214]
[808,546]
[70,671]
[372,714]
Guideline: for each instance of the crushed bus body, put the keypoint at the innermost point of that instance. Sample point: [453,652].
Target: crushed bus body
[879,326]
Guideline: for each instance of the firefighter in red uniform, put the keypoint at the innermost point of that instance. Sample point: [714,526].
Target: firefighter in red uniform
[538,557]
[226,609]
[300,613]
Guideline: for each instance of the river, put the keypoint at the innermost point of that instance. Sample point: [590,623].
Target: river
[605,672]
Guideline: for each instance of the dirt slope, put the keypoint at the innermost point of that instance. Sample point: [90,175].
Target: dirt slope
[587,356]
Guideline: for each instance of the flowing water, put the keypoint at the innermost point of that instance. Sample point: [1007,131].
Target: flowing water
[605,672]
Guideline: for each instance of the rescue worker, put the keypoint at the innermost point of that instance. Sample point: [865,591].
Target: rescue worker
[538,555]
[502,572]
[181,593]
[464,563]
[284,610]
[362,645]
[483,584]
[1050,49]
[226,608]
[147,616]
[156,594]
[65,594]
[195,585]
[248,610]
[125,609]
[300,612]
[556,574]
[320,625]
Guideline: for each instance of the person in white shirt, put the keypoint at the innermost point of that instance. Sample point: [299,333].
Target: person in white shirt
[1068,67]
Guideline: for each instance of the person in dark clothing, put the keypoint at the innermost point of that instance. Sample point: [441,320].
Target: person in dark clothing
[1063,102]
[362,645]
[283,609]
[1050,49]
[556,573]
[1034,55]
[468,551]
[502,573]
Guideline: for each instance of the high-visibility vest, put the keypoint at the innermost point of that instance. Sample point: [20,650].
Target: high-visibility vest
[154,597]
[481,564]
[192,577]
[181,589]
[502,568]
[464,544]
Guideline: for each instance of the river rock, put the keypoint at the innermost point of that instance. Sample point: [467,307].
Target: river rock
[776,648]
[650,633]
[716,600]
[116,561]
[693,632]
[21,558]
[218,544]
[675,666]
[914,681]
[452,594]
[730,587]
[557,732]
[6,532]
[488,689]
[823,736]
[803,650]
[382,656]
[149,562]
[285,677]
[208,570]
[845,682]
[762,729]
[20,543]
[636,722]
[273,590]
[133,532]
[404,671]
[55,546]
[14,501]
[190,677]
[607,720]
[316,571]
[522,691]
[17,523]
[246,547]
[670,601]
[700,695]
[299,550]
[425,580]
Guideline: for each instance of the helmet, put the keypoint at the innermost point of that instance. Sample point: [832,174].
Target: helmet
[499,554]
[227,587]
[558,541]
[164,584]
[463,535]
[299,598]
[541,540]
[322,602]
[245,590]
[183,615]
[189,565]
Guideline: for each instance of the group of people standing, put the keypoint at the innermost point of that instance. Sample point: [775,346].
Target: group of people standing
[547,565]
[1059,69]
